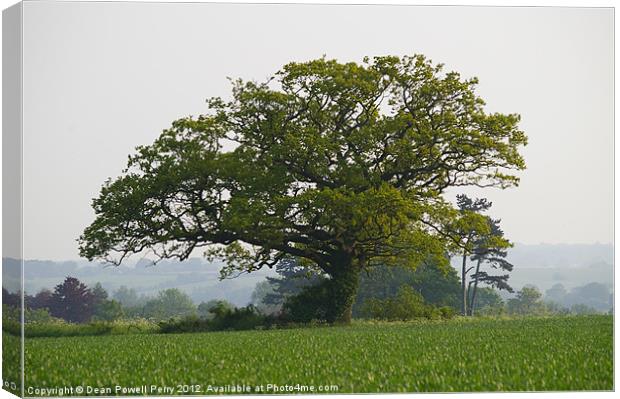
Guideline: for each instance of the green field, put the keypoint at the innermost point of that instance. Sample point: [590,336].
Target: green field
[571,353]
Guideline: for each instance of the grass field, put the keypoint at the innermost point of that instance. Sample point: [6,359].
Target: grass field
[572,353]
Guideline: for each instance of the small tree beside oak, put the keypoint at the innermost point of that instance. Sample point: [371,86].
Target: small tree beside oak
[480,239]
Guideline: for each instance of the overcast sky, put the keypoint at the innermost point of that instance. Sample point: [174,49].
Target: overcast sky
[102,78]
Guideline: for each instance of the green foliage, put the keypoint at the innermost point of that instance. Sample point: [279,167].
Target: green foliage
[527,302]
[293,276]
[525,354]
[223,318]
[480,239]
[10,313]
[311,304]
[330,300]
[128,297]
[99,293]
[341,164]
[245,318]
[220,308]
[11,320]
[11,316]
[488,297]
[582,309]
[60,328]
[489,302]
[446,312]
[169,303]
[187,324]
[39,316]
[408,304]
[213,307]
[262,291]
[438,286]
[108,310]
[307,299]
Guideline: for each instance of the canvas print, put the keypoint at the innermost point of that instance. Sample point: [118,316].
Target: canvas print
[207,198]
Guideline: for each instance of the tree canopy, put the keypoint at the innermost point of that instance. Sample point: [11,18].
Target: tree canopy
[340,164]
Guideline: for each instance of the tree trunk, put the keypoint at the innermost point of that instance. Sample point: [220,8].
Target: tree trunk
[469,292]
[463,284]
[472,306]
[343,287]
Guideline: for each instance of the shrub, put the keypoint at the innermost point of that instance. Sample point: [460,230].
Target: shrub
[64,329]
[310,304]
[219,308]
[447,312]
[221,318]
[134,326]
[11,319]
[185,324]
[39,316]
[40,324]
[408,304]
[246,318]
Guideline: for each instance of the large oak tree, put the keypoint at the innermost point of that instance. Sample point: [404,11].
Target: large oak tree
[341,165]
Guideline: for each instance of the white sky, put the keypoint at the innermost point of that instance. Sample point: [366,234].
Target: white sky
[102,78]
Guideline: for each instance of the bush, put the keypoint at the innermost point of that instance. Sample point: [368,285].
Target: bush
[64,329]
[447,312]
[47,326]
[134,326]
[408,304]
[40,316]
[11,326]
[219,308]
[222,318]
[30,315]
[309,305]
[186,324]
[247,318]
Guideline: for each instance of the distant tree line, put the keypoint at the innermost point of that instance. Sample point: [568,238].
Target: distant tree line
[388,293]
[75,302]
[594,295]
[71,301]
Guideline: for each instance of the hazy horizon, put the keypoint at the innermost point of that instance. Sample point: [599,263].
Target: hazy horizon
[90,99]
[541,265]
[131,261]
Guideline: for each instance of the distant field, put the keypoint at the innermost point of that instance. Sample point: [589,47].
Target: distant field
[573,353]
